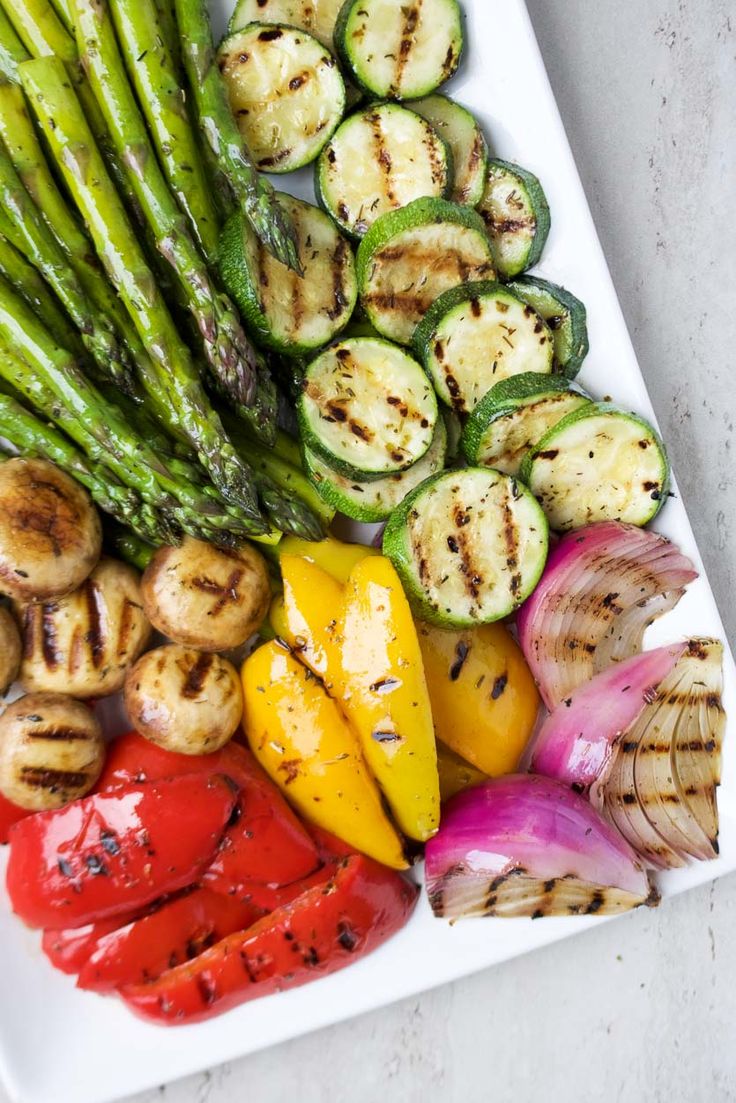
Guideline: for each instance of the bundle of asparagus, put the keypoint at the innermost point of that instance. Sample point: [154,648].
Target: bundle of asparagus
[97,281]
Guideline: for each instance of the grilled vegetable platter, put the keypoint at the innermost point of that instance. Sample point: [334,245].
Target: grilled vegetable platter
[230,736]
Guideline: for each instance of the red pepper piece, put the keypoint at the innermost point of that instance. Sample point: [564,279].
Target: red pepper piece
[176,932]
[267,844]
[115,852]
[68,950]
[328,846]
[9,814]
[270,897]
[324,929]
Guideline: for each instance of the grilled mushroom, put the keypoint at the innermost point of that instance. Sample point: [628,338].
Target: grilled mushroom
[82,644]
[9,649]
[51,751]
[184,700]
[50,534]
[204,597]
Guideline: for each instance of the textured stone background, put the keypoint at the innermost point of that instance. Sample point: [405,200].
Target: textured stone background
[644,1008]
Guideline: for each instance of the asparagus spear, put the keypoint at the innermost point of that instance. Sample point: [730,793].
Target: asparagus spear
[64,11]
[145,45]
[128,545]
[228,350]
[36,292]
[12,50]
[220,130]
[25,151]
[42,249]
[172,374]
[30,435]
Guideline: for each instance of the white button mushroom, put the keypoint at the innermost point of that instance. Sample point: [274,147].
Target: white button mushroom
[184,700]
[50,534]
[206,597]
[51,751]
[10,649]
[83,643]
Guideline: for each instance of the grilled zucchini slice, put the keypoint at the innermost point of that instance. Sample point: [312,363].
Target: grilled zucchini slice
[285,90]
[564,314]
[474,335]
[469,546]
[514,415]
[599,463]
[400,50]
[316,17]
[410,257]
[376,500]
[457,127]
[378,160]
[367,408]
[514,209]
[286,312]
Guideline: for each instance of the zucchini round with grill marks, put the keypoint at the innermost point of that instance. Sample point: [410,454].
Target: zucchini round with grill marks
[285,90]
[367,408]
[564,314]
[457,127]
[599,463]
[316,17]
[515,211]
[380,159]
[410,257]
[476,335]
[376,500]
[469,546]
[290,313]
[400,50]
[514,415]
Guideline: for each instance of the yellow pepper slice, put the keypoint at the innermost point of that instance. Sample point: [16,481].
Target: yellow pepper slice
[332,555]
[306,746]
[312,607]
[484,700]
[385,696]
[455,773]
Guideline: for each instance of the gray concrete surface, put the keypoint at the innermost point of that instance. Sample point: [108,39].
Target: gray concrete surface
[644,1008]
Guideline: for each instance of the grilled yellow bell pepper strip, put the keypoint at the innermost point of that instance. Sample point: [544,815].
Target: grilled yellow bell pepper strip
[384,694]
[484,700]
[306,746]
[332,555]
[455,773]
[312,608]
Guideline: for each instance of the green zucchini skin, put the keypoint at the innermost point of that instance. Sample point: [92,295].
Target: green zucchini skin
[462,133]
[476,334]
[367,409]
[378,160]
[395,285]
[564,314]
[510,419]
[515,211]
[316,17]
[468,545]
[286,112]
[375,501]
[599,463]
[287,313]
[400,51]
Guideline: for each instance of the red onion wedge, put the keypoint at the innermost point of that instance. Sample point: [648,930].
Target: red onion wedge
[522,845]
[644,740]
[601,589]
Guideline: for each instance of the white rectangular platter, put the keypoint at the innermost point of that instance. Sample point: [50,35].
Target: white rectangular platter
[58,1045]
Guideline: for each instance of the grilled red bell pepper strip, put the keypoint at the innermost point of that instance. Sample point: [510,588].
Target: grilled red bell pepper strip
[9,814]
[176,932]
[68,949]
[270,897]
[325,928]
[266,844]
[117,851]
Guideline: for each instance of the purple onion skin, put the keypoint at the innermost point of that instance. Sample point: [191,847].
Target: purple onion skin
[576,601]
[532,825]
[577,741]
